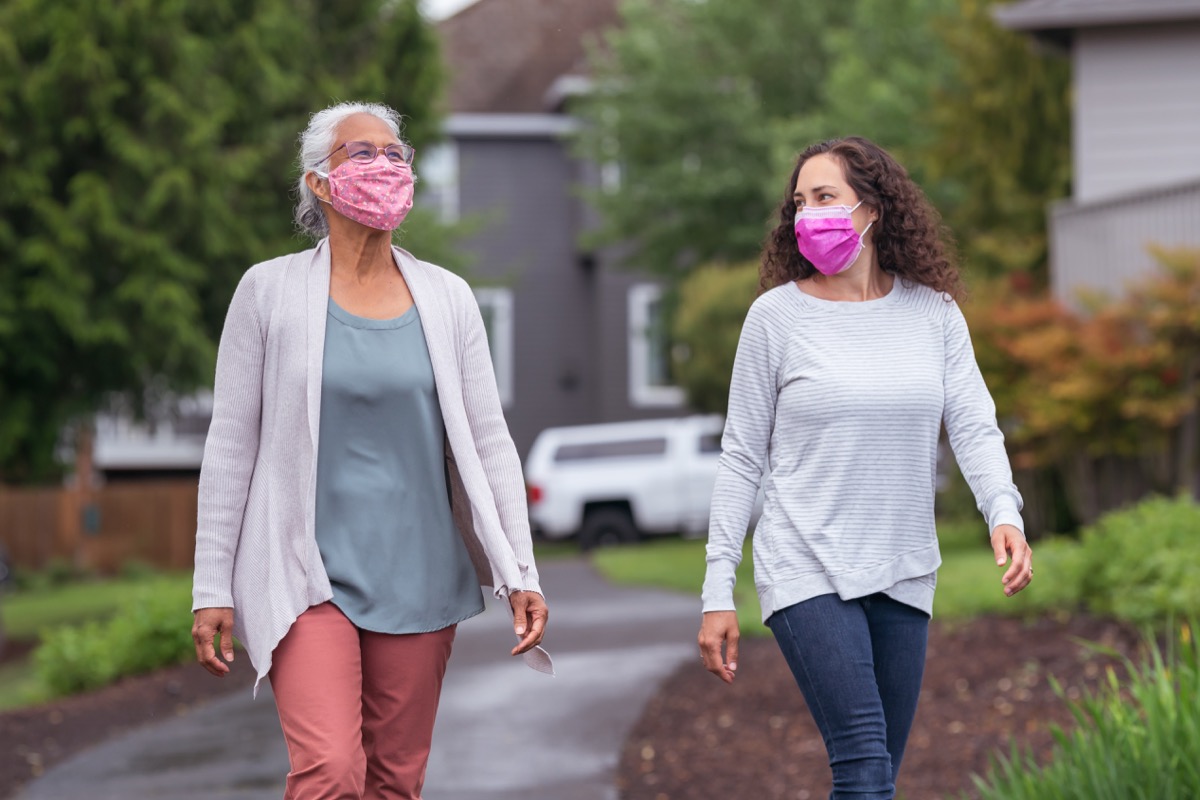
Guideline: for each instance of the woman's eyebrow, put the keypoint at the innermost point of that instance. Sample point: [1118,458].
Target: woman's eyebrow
[815,190]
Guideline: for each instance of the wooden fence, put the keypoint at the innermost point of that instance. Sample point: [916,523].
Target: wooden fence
[153,522]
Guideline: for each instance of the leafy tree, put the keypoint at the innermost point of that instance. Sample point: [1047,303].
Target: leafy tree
[713,301]
[146,155]
[1109,400]
[705,105]
[889,60]
[691,99]
[1002,146]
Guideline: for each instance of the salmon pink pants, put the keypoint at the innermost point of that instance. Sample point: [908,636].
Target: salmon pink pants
[357,707]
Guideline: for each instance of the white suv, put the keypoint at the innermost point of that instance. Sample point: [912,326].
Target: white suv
[610,483]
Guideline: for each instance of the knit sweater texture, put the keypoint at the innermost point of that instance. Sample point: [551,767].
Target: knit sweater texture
[835,409]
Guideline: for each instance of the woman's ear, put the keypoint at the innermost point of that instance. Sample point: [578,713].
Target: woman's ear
[318,186]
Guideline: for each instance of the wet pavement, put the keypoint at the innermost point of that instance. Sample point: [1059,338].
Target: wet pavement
[503,732]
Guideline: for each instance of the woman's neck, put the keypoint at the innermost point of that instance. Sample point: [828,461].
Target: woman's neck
[865,280]
[358,253]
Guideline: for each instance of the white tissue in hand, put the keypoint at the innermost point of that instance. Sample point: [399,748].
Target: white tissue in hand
[539,659]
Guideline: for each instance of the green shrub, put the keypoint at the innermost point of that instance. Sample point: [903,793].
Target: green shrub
[1133,741]
[151,628]
[1141,564]
[713,301]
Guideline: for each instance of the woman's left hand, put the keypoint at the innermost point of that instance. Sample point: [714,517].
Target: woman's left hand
[530,615]
[1009,541]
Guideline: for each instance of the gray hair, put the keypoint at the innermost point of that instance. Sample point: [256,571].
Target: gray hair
[315,143]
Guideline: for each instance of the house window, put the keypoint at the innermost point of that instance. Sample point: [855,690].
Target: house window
[437,172]
[496,306]
[650,350]
[610,177]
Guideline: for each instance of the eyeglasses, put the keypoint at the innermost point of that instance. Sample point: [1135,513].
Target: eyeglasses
[365,153]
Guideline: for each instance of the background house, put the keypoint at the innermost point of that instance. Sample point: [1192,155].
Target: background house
[1135,134]
[575,337]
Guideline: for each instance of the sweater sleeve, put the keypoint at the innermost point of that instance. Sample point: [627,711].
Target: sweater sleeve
[493,442]
[970,419]
[744,445]
[230,450]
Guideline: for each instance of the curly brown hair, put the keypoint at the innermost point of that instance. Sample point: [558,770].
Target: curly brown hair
[910,240]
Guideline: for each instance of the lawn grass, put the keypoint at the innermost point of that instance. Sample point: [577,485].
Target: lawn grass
[678,564]
[968,580]
[28,612]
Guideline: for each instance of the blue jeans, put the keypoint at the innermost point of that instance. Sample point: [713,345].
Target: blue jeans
[859,665]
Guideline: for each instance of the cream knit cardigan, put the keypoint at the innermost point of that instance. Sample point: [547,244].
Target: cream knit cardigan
[256,547]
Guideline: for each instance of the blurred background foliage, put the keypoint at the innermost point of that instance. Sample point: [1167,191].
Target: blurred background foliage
[1103,403]
[705,105]
[147,156]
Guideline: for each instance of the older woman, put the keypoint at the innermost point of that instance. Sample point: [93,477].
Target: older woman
[359,482]
[848,365]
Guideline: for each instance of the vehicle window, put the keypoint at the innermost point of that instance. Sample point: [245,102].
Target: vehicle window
[710,443]
[619,449]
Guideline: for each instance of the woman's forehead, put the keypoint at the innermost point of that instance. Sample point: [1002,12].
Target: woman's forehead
[364,127]
[820,170]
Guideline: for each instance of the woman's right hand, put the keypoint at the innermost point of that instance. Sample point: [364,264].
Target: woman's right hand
[209,623]
[720,628]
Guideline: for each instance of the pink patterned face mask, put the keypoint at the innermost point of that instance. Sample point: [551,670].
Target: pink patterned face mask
[377,194]
[826,237]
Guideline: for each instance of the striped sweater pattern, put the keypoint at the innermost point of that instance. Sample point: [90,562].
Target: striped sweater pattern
[835,409]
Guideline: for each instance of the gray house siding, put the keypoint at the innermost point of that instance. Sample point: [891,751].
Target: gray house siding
[1137,108]
[1135,136]
[1102,246]
[569,333]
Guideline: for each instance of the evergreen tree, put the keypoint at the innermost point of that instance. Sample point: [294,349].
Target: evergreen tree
[147,159]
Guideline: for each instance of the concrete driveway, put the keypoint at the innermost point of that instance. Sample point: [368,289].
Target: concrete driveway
[504,731]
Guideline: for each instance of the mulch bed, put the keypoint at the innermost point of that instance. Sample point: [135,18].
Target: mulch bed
[985,686]
[985,683]
[34,739]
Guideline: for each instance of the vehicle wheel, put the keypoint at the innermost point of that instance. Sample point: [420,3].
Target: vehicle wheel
[605,527]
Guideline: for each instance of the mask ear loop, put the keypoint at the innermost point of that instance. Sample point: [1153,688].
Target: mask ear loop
[325,177]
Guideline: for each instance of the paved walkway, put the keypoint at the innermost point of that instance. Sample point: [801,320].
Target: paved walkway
[504,731]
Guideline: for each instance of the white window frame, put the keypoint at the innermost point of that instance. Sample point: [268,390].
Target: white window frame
[441,178]
[499,303]
[642,393]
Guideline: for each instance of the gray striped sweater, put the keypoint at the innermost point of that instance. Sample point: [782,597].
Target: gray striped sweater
[835,410]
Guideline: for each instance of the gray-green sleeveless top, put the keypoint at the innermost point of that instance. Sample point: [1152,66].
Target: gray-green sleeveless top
[394,557]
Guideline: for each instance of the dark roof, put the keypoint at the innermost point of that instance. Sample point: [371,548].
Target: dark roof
[505,55]
[1063,16]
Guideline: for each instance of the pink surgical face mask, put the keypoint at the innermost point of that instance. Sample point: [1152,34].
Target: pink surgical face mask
[826,237]
[377,194]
